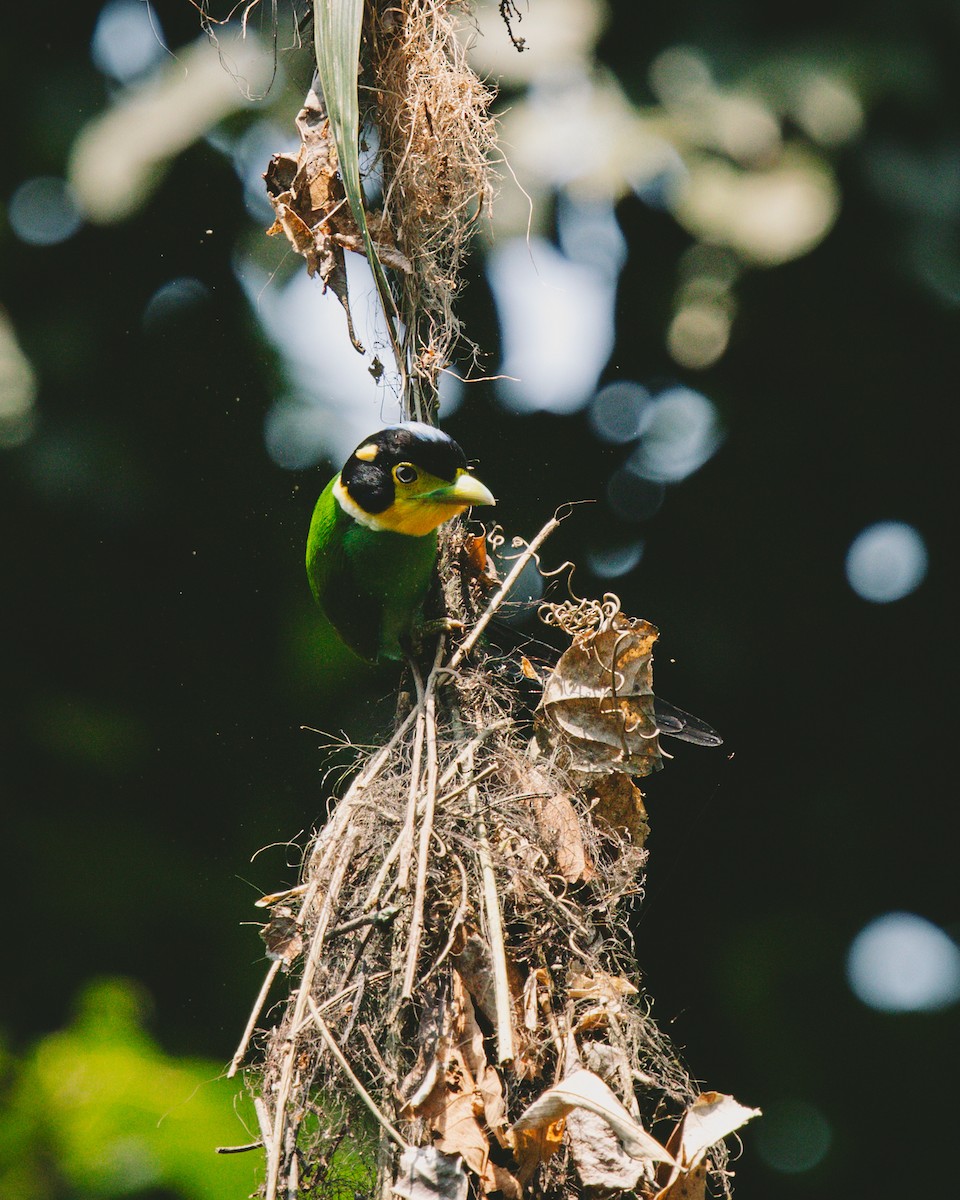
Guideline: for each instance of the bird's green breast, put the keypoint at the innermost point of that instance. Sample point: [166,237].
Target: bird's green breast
[371,584]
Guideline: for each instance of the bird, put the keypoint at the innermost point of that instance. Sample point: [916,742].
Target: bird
[372,545]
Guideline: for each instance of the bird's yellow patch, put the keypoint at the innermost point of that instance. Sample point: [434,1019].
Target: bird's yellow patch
[421,506]
[366,453]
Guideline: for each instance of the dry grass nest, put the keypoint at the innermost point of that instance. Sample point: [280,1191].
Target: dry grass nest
[458,950]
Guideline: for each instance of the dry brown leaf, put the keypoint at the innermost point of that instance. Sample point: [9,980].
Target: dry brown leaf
[618,804]
[462,1097]
[534,1146]
[687,1185]
[598,700]
[609,1062]
[558,824]
[475,553]
[711,1118]
[560,829]
[598,985]
[593,1019]
[309,202]
[424,1173]
[470,1046]
[282,936]
[583,1089]
[599,1156]
[527,669]
[311,210]
[474,963]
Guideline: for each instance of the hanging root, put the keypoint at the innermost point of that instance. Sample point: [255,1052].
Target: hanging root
[461,961]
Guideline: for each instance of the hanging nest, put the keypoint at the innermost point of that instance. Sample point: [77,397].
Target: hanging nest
[436,143]
[426,115]
[466,1011]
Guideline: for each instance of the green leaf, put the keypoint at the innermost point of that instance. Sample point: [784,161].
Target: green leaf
[337,29]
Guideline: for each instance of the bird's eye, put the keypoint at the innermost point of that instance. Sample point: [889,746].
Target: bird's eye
[405,473]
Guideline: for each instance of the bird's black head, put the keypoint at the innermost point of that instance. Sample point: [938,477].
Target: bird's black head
[408,478]
[368,474]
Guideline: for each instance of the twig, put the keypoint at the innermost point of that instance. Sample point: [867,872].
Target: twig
[493,769]
[241,1051]
[390,858]
[426,829]
[409,825]
[381,917]
[358,1087]
[273,898]
[457,920]
[266,1132]
[491,904]
[471,639]
[239,1149]
[328,837]
[478,741]
[303,998]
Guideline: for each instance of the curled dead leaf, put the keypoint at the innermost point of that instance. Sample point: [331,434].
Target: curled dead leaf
[583,1089]
[535,1145]
[598,700]
[311,209]
[598,985]
[282,936]
[709,1119]
[599,1156]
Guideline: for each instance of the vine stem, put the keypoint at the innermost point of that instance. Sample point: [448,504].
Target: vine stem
[470,640]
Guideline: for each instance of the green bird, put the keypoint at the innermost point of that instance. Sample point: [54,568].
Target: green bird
[372,547]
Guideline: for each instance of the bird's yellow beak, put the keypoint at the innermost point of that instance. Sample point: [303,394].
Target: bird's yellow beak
[465,490]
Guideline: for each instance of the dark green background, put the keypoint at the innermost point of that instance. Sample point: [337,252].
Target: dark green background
[156,620]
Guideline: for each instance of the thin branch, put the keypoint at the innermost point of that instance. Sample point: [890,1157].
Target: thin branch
[426,829]
[470,640]
[303,998]
[358,1087]
[491,904]
[241,1051]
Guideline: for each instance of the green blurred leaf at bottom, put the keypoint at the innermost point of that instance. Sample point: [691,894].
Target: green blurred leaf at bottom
[98,1110]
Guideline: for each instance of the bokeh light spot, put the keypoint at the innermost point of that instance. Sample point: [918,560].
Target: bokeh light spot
[904,963]
[886,562]
[556,320]
[682,433]
[617,411]
[178,298]
[127,40]
[43,212]
[588,232]
[794,1136]
[295,433]
[829,110]
[18,389]
[450,390]
[698,335]
[338,399]
[610,562]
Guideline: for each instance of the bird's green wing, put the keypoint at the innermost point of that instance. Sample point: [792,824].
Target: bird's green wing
[370,584]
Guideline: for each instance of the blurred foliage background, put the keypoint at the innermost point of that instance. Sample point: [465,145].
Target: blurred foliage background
[734,326]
